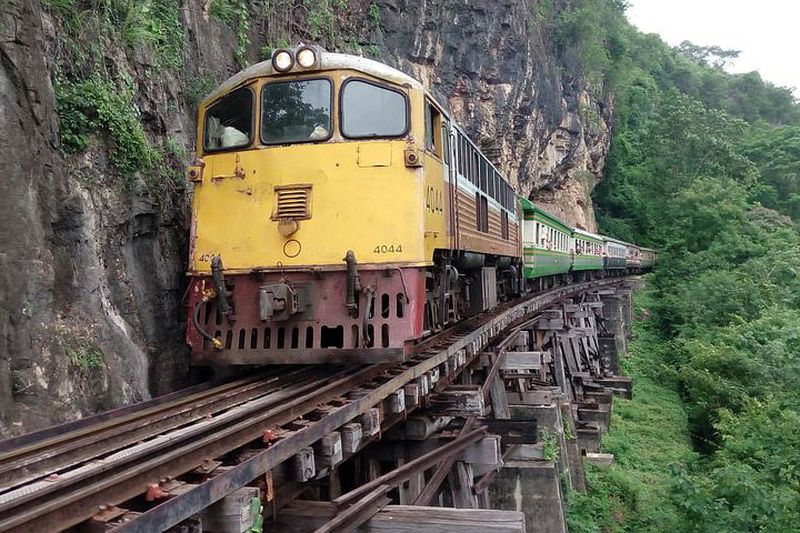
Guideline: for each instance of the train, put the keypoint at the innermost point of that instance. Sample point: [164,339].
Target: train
[340,214]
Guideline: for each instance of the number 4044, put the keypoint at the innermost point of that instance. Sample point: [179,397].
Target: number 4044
[388,248]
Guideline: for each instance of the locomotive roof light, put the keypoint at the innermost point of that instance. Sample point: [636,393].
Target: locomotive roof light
[306,57]
[282,60]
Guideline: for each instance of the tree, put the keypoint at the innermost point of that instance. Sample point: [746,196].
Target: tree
[714,56]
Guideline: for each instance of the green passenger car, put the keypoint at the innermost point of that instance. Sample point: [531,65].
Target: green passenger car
[546,242]
[587,250]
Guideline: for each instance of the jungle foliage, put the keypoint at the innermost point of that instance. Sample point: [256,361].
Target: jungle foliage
[705,166]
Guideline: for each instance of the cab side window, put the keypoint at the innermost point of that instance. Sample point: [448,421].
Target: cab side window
[446,141]
[433,129]
[229,121]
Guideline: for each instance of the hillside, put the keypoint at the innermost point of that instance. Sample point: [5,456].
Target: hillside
[704,166]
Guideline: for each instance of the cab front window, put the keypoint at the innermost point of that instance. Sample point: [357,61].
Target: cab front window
[370,110]
[296,111]
[229,121]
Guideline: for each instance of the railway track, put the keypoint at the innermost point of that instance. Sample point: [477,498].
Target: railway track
[61,477]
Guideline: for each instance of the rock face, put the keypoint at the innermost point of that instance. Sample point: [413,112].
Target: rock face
[92,258]
[525,102]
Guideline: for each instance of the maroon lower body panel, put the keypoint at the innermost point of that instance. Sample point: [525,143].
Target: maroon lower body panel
[321,328]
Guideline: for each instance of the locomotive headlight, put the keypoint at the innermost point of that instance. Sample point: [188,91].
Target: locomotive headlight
[282,60]
[306,57]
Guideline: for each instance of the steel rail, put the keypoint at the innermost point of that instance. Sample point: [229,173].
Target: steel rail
[81,446]
[126,474]
[60,482]
[14,444]
[46,438]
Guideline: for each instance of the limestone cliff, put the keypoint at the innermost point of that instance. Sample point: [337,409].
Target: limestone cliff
[522,99]
[93,251]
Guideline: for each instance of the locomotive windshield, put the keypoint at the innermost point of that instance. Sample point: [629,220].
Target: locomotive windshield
[370,110]
[229,121]
[296,111]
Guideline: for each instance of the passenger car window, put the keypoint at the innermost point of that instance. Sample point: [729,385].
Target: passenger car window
[229,121]
[296,111]
[370,110]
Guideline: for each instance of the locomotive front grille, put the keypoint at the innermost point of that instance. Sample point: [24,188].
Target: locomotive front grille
[292,202]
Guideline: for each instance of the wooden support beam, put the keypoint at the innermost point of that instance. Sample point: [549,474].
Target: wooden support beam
[351,437]
[459,400]
[499,399]
[561,373]
[527,360]
[410,490]
[302,517]
[412,395]
[358,513]
[401,519]
[446,368]
[372,470]
[484,452]
[424,462]
[419,427]
[461,481]
[524,360]
[425,497]
[371,422]
[552,324]
[328,451]
[521,341]
[618,385]
[574,332]
[534,397]
[600,458]
[396,402]
[303,466]
[516,431]
[526,452]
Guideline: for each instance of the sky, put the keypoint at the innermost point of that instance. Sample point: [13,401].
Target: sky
[766,31]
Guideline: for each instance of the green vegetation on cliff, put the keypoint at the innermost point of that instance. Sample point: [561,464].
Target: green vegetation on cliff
[705,166]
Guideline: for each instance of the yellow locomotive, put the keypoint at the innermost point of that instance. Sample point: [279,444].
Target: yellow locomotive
[339,214]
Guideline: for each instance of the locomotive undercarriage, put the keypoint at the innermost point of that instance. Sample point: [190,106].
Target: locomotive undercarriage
[363,313]
[460,285]
[306,316]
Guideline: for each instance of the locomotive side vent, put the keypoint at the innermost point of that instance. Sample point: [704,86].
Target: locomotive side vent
[292,202]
